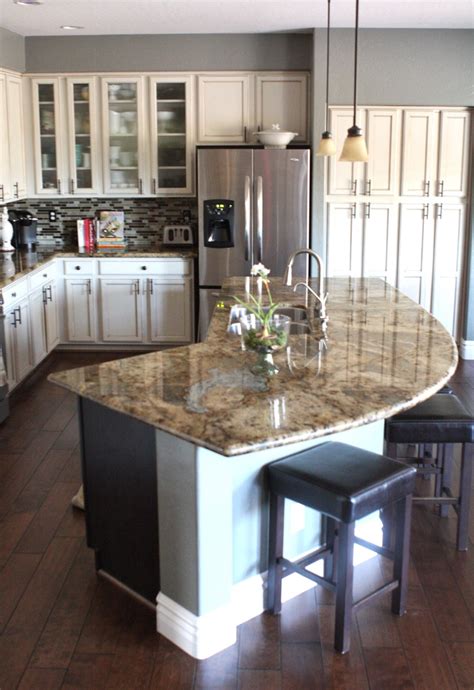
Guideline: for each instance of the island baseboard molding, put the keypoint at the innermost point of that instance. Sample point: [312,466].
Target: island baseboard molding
[466,349]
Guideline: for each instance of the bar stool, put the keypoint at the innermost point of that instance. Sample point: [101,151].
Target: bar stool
[442,420]
[344,484]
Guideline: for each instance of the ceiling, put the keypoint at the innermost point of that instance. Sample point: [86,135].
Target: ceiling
[227,16]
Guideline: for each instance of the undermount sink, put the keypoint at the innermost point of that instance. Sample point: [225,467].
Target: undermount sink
[298,315]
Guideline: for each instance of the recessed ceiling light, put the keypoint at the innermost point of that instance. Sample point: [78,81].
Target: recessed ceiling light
[70,27]
[28,2]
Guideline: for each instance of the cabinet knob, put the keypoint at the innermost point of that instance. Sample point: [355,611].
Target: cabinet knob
[78,268]
[45,275]
[144,268]
[13,294]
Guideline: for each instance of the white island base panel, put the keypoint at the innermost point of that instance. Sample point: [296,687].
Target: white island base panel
[213,524]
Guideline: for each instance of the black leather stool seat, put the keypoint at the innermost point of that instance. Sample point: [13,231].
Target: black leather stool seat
[344,482]
[440,419]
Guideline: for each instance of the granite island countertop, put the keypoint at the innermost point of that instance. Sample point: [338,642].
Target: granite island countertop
[384,354]
[15,265]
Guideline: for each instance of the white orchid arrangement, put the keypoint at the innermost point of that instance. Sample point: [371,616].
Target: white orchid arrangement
[263,313]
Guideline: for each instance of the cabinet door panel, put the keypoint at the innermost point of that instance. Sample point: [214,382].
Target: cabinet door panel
[383,133]
[344,246]
[283,100]
[82,133]
[453,154]
[121,309]
[80,310]
[344,178]
[169,305]
[19,362]
[38,326]
[223,109]
[5,189]
[448,256]
[47,133]
[419,152]
[51,313]
[16,136]
[415,257]
[380,241]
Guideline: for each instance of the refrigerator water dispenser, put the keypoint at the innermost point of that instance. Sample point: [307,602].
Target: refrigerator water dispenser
[218,223]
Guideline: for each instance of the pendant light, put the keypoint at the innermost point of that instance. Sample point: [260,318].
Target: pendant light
[327,147]
[355,148]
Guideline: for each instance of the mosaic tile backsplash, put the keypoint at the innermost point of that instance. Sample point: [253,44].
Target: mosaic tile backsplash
[144,218]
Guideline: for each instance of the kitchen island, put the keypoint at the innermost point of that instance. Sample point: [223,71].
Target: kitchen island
[174,444]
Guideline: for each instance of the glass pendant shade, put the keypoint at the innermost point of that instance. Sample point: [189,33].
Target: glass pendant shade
[355,148]
[327,147]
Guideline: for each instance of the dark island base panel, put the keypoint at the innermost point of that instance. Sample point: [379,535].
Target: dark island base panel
[119,471]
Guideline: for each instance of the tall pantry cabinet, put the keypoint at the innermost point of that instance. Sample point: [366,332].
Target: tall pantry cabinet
[401,216]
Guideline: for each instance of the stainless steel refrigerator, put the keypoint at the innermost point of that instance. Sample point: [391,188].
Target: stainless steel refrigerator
[253,207]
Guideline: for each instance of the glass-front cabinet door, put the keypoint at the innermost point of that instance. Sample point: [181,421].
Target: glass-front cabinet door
[82,130]
[123,129]
[171,122]
[46,116]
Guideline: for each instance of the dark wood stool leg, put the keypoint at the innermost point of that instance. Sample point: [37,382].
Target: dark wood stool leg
[465,496]
[345,576]
[275,551]
[447,459]
[401,554]
[386,514]
[329,540]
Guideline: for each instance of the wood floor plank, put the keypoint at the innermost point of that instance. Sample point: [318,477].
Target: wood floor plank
[73,523]
[69,437]
[425,653]
[388,668]
[71,471]
[451,615]
[260,643]
[302,666]
[299,620]
[42,480]
[12,528]
[173,668]
[341,671]
[63,414]
[377,625]
[14,578]
[88,672]
[128,674]
[59,637]
[47,520]
[108,615]
[219,672]
[42,679]
[461,656]
[259,680]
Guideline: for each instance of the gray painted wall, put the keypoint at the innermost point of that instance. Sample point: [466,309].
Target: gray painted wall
[168,52]
[12,50]
[396,67]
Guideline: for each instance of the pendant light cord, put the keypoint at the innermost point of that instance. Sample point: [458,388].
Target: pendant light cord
[355,60]
[326,116]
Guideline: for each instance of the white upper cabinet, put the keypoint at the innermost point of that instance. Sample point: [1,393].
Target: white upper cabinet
[453,160]
[171,102]
[82,136]
[16,135]
[419,152]
[383,136]
[344,178]
[223,109]
[124,135]
[5,189]
[49,137]
[283,99]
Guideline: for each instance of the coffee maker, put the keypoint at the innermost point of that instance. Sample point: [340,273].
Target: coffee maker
[24,228]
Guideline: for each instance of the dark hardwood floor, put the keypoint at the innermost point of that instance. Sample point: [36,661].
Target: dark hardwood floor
[62,627]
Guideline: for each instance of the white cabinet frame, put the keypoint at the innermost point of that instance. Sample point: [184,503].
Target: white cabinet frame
[96,186]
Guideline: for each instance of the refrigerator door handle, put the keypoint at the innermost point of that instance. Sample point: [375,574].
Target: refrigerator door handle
[259,218]
[247,217]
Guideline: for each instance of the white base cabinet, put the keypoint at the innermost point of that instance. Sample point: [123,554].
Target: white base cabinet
[17,340]
[80,310]
[39,348]
[169,309]
[120,309]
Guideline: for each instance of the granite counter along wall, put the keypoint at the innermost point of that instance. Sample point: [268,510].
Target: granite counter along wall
[144,218]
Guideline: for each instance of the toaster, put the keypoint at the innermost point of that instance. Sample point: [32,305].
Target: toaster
[178,235]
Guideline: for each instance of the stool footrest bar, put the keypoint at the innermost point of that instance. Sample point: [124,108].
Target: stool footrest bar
[388,553]
[381,590]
